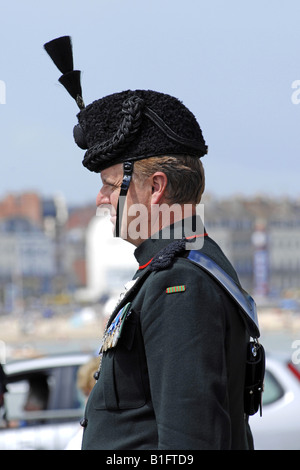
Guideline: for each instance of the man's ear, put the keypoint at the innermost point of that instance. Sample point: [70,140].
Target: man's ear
[159,185]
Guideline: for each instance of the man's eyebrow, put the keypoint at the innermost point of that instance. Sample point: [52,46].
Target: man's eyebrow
[109,183]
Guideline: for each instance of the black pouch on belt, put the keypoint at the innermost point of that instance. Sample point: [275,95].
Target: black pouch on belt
[254,380]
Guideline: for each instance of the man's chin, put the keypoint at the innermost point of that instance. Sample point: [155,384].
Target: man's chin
[113,220]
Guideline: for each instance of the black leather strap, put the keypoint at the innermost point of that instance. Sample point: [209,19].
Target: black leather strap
[127,175]
[239,295]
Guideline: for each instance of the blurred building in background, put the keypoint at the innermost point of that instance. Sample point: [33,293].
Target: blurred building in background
[261,237]
[26,261]
[67,254]
[31,230]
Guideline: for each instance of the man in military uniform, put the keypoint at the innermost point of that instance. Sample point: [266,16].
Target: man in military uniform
[173,356]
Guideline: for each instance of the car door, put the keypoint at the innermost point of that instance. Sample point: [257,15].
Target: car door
[43,408]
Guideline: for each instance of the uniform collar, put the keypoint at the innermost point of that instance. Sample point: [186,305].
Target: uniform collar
[183,228]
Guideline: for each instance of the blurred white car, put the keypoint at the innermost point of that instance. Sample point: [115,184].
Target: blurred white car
[52,427]
[279,426]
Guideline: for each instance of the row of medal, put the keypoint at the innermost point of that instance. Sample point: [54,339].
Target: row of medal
[113,332]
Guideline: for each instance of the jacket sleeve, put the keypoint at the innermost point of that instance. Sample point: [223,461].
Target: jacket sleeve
[184,336]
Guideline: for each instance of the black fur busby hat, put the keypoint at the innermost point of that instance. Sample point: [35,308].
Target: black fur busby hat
[127,126]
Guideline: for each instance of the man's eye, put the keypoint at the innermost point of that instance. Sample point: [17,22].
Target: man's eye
[111,186]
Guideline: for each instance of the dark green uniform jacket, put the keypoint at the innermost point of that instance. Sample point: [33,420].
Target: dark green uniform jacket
[175,378]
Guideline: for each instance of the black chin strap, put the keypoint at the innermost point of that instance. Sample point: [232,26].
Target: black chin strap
[127,175]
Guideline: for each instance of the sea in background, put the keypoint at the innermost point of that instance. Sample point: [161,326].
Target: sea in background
[22,338]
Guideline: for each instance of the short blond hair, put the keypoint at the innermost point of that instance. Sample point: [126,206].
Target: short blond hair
[85,375]
[186,179]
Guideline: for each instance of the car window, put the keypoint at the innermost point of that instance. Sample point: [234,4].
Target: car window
[273,391]
[64,392]
[15,398]
[49,395]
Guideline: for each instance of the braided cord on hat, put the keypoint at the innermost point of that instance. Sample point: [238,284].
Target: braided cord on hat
[132,111]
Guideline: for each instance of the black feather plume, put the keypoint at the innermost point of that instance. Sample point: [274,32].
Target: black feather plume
[71,82]
[60,51]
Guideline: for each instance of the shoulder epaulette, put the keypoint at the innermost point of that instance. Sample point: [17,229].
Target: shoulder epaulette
[165,257]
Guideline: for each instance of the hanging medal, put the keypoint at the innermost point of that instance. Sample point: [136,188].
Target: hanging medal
[113,332]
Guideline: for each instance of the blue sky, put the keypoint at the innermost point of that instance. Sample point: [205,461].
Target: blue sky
[232,63]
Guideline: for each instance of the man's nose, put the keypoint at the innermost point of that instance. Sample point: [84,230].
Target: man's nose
[102,199]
